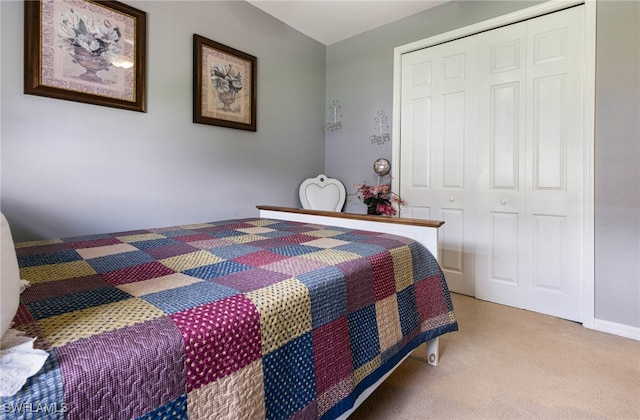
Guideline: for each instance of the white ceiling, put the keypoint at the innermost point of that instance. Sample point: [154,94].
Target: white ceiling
[330,21]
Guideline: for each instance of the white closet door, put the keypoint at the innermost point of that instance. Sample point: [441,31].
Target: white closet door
[492,143]
[437,175]
[501,162]
[530,189]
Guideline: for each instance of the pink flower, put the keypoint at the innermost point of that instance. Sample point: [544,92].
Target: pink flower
[379,199]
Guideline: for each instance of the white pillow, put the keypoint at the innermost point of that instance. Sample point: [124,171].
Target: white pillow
[9,277]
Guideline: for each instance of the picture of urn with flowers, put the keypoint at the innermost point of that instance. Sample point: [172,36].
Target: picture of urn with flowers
[379,199]
[93,44]
[226,81]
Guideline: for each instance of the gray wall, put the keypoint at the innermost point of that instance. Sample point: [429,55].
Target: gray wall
[359,75]
[617,162]
[70,168]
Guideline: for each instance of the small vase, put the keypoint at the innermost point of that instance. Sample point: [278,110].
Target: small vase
[373,210]
[91,63]
[227,98]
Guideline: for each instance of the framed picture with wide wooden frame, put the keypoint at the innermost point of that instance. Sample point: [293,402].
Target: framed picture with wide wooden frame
[224,85]
[86,51]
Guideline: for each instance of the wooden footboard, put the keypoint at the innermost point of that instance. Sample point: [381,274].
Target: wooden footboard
[422,231]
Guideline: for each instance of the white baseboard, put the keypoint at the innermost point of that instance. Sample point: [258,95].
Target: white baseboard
[617,329]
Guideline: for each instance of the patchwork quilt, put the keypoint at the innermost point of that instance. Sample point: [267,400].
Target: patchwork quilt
[239,319]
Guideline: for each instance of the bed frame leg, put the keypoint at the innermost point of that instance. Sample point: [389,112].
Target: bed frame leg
[433,351]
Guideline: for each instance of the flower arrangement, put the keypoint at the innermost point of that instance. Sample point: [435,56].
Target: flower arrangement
[98,39]
[379,199]
[225,78]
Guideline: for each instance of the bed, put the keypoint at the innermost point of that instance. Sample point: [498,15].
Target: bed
[252,318]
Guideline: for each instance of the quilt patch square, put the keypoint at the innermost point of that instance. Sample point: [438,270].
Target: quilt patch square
[360,248]
[282,320]
[326,243]
[77,301]
[328,294]
[260,258]
[119,383]
[424,264]
[181,298]
[101,251]
[251,279]
[213,271]
[56,257]
[274,234]
[239,395]
[219,338]
[408,312]
[118,261]
[190,260]
[352,236]
[137,273]
[137,236]
[247,238]
[294,266]
[270,243]
[95,243]
[224,232]
[145,287]
[153,243]
[384,284]
[332,256]
[233,251]
[363,333]
[332,354]
[23,317]
[427,292]
[175,410]
[335,394]
[295,250]
[194,237]
[23,249]
[211,243]
[170,231]
[58,288]
[360,291]
[385,241]
[298,238]
[289,383]
[402,267]
[388,319]
[169,251]
[52,272]
[72,326]
[258,230]
[324,232]
[39,243]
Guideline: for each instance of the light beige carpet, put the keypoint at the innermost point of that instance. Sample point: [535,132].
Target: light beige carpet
[507,363]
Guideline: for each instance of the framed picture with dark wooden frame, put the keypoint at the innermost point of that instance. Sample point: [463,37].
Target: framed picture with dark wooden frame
[224,85]
[86,51]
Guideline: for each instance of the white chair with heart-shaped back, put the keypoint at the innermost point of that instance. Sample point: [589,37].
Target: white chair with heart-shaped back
[322,193]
